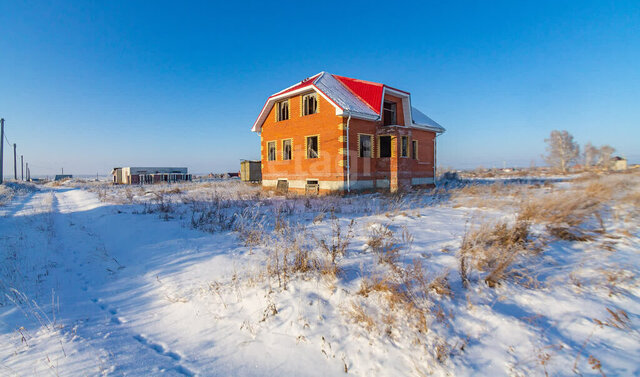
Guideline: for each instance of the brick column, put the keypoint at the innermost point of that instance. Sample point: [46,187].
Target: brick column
[393,164]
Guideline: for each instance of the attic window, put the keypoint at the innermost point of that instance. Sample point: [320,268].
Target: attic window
[389,113]
[309,104]
[282,110]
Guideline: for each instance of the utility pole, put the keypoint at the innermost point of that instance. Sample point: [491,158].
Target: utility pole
[1,147]
[15,169]
[22,167]
[27,171]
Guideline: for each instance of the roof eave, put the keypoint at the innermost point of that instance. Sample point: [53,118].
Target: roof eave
[439,130]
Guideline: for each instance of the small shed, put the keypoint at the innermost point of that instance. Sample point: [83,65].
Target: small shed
[250,171]
[619,163]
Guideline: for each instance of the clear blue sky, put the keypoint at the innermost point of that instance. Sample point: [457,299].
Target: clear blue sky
[90,85]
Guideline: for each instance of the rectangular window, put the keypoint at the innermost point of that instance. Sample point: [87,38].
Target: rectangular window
[404,146]
[385,146]
[389,113]
[365,145]
[414,149]
[271,151]
[312,187]
[282,110]
[286,149]
[312,147]
[309,104]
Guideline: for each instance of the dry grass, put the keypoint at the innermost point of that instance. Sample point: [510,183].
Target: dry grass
[386,245]
[357,314]
[494,250]
[560,208]
[291,252]
[402,299]
[632,199]
[496,195]
[402,302]
[336,245]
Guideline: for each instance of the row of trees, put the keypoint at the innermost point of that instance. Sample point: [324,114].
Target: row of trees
[563,152]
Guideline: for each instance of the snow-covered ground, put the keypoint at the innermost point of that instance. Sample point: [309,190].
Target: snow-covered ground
[222,279]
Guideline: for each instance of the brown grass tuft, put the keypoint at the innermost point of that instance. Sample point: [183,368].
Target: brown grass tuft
[494,250]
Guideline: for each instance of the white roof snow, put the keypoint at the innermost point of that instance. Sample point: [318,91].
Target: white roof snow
[346,103]
[343,97]
[420,119]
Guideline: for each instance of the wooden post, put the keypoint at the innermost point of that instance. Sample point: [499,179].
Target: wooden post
[15,166]
[1,147]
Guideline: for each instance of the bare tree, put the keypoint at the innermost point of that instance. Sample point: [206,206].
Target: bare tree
[562,151]
[605,156]
[591,155]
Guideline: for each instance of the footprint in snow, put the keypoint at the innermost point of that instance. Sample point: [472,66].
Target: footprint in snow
[161,350]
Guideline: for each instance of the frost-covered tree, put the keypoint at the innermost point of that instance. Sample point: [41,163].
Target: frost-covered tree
[562,151]
[591,155]
[605,156]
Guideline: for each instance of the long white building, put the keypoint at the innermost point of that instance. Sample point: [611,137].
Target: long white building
[148,175]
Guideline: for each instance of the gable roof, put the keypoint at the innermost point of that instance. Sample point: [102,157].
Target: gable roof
[350,97]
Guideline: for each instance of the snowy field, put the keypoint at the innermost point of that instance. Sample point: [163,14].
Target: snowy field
[530,277]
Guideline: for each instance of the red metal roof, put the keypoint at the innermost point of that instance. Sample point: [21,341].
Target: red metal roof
[369,92]
[359,97]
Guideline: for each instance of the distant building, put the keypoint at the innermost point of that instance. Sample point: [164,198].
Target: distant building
[60,177]
[149,175]
[250,171]
[619,163]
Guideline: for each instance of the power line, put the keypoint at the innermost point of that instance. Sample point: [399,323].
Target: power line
[3,138]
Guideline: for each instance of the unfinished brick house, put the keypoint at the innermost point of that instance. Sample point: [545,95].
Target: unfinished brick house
[333,133]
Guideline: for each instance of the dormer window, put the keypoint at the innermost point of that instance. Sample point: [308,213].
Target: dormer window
[389,113]
[282,110]
[309,104]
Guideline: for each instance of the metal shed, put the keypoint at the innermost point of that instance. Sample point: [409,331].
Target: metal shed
[250,171]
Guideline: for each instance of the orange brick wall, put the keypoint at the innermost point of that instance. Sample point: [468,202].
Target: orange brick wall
[379,168]
[325,123]
[330,166]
